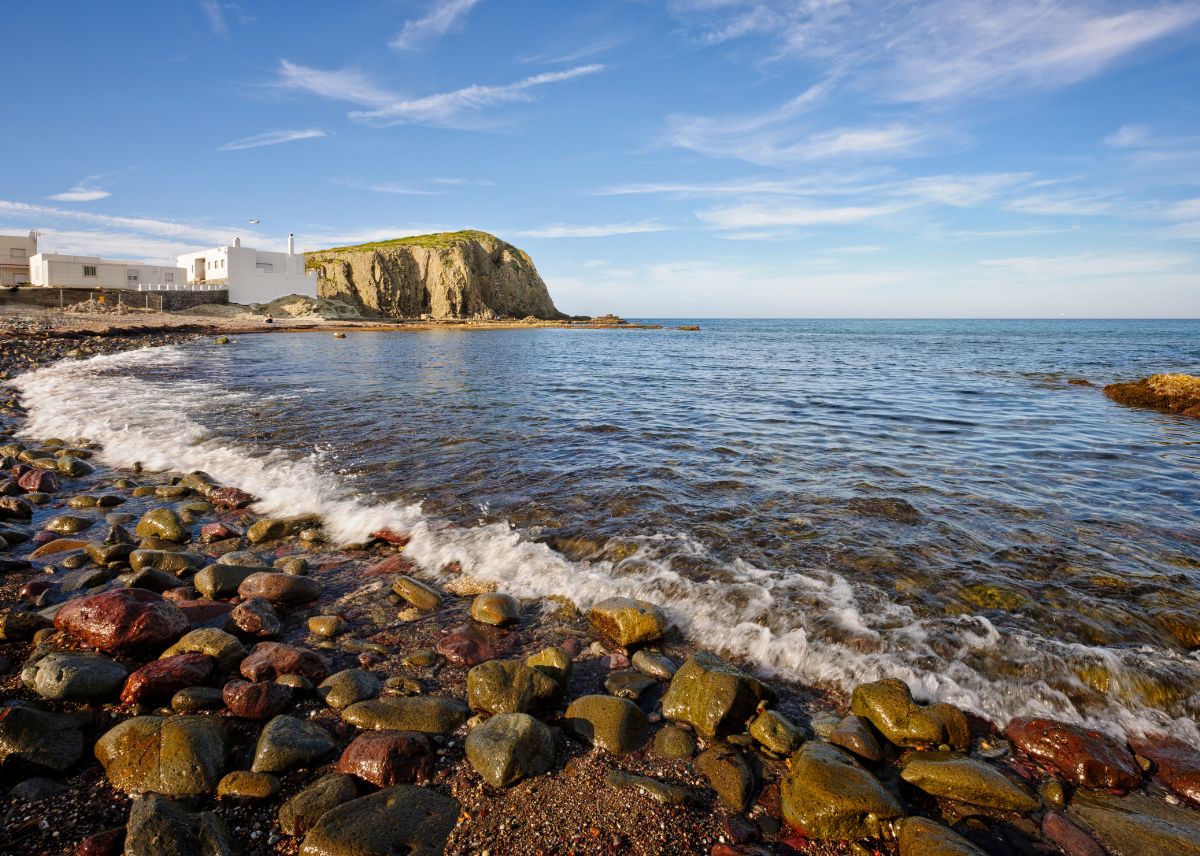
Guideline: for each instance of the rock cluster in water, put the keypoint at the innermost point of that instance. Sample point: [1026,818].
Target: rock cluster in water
[182,675]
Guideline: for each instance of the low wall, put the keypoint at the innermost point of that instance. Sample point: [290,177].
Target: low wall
[50,297]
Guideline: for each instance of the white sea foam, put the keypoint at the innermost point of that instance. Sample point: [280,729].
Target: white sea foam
[791,623]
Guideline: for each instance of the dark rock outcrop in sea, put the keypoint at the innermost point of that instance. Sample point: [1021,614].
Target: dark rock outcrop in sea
[1174,393]
[447,275]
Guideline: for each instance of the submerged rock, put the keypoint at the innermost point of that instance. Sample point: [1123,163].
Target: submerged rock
[1136,824]
[510,747]
[713,696]
[828,796]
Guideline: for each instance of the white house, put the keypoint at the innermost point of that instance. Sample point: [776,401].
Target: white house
[252,276]
[15,253]
[55,269]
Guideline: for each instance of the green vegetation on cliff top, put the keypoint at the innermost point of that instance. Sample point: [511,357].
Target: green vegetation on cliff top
[436,241]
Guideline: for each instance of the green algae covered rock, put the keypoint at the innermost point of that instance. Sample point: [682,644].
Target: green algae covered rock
[627,621]
[889,706]
[713,696]
[828,796]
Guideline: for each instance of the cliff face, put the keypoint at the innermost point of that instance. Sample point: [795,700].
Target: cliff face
[447,275]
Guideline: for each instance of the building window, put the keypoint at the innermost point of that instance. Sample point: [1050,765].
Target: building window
[89,270]
[168,277]
[132,276]
[265,267]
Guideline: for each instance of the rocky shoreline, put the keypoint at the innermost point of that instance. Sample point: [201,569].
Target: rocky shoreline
[182,675]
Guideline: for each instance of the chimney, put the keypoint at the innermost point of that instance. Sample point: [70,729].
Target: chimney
[237,242]
[291,244]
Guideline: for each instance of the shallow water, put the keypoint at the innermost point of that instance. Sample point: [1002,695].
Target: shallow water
[833,500]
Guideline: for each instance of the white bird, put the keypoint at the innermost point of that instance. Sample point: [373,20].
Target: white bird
[252,221]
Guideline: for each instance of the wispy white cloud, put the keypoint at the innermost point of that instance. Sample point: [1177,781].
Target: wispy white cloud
[576,53]
[1089,264]
[460,182]
[386,187]
[442,17]
[1127,136]
[560,230]
[271,138]
[43,216]
[758,216]
[216,17]
[85,191]
[445,109]
[1068,204]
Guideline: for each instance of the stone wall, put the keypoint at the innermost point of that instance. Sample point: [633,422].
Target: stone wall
[51,297]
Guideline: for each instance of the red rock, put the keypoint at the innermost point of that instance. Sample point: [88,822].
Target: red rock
[203,612]
[615,661]
[739,830]
[158,680]
[38,481]
[390,536]
[42,536]
[211,532]
[1085,757]
[229,498]
[254,617]
[739,850]
[390,565]
[1068,837]
[256,701]
[14,508]
[467,646]
[109,843]
[387,758]
[269,660]
[124,620]
[1176,763]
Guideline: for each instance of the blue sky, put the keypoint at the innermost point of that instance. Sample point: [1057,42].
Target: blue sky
[656,157]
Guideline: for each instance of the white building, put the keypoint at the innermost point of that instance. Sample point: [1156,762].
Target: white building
[15,253]
[55,269]
[252,276]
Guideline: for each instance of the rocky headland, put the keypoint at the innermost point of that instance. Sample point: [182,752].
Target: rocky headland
[182,675]
[465,274]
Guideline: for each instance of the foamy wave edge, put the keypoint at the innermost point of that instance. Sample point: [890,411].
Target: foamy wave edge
[744,614]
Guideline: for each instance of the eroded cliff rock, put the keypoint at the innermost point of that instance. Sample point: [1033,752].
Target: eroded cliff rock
[446,275]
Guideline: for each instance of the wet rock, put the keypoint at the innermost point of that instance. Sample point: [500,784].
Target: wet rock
[202,613]
[402,819]
[255,617]
[854,733]
[427,714]
[302,811]
[57,547]
[1136,824]
[160,679]
[386,758]
[150,580]
[347,687]
[123,621]
[466,646]
[326,626]
[656,789]
[222,580]
[224,648]
[828,796]
[1083,756]
[673,742]
[213,532]
[69,465]
[613,724]
[176,756]
[196,699]
[162,523]
[269,660]
[1068,837]
[919,836]
[168,561]
[37,789]
[713,696]
[297,565]
[68,524]
[13,508]
[889,706]
[259,701]
[421,595]
[111,842]
[38,481]
[627,621]
[286,743]
[729,774]
[161,827]
[244,786]
[554,663]
[279,589]
[654,665]
[509,686]
[38,738]
[967,780]
[267,529]
[18,625]
[229,498]
[243,559]
[496,609]
[509,747]
[1176,763]
[776,732]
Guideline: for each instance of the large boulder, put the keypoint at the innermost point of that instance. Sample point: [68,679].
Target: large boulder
[161,827]
[613,724]
[1083,756]
[75,676]
[509,686]
[510,747]
[713,696]
[627,621]
[386,758]
[828,796]
[889,706]
[123,621]
[176,756]
[403,819]
[426,714]
[967,780]
[39,738]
